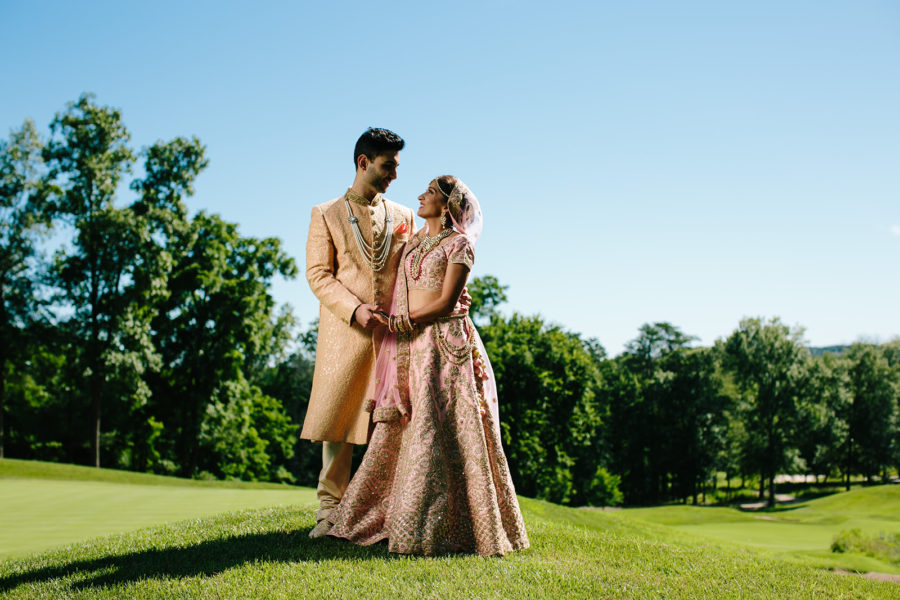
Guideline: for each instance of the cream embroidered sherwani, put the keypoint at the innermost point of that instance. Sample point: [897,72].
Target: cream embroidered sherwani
[342,279]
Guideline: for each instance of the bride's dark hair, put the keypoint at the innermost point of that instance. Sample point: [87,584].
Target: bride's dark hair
[445,185]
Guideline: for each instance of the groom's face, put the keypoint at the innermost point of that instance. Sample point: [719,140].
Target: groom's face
[382,170]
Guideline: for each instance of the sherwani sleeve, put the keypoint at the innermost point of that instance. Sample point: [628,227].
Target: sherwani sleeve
[320,267]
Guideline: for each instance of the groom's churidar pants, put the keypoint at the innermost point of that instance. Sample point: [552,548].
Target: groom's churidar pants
[337,458]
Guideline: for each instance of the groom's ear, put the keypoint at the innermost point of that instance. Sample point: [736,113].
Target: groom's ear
[362,162]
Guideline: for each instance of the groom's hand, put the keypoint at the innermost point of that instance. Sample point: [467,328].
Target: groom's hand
[365,316]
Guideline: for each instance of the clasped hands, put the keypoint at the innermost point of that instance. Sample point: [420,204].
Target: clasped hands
[371,316]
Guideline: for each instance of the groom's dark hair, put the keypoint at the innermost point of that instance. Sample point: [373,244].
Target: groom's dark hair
[375,141]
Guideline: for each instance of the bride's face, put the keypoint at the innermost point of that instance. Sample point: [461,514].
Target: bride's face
[431,202]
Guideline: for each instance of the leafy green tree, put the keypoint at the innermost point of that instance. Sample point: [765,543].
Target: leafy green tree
[872,412]
[654,342]
[238,431]
[43,402]
[729,460]
[603,489]
[638,416]
[216,329]
[290,381]
[767,360]
[164,327]
[23,219]
[824,399]
[629,428]
[670,428]
[551,407]
[170,170]
[487,294]
[693,408]
[891,352]
[86,158]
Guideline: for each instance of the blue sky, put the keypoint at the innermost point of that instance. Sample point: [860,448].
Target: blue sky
[691,162]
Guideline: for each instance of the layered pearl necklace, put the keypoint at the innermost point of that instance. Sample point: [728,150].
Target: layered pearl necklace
[374,254]
[421,251]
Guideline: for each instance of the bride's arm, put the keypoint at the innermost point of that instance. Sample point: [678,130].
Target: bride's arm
[454,282]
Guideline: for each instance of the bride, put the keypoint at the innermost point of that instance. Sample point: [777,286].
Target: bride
[434,478]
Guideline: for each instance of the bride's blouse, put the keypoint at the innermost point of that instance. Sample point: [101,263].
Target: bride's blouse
[429,275]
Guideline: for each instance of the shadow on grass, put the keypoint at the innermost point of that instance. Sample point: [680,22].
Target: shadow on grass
[778,508]
[203,559]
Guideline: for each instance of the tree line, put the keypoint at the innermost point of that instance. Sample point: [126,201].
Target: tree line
[148,340]
[660,422]
[143,341]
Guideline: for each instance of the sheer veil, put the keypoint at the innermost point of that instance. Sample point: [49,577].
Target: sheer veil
[465,211]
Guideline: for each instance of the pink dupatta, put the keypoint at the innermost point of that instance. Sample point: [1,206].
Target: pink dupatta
[388,393]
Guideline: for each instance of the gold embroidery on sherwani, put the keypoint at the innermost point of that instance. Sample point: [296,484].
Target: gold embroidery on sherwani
[345,353]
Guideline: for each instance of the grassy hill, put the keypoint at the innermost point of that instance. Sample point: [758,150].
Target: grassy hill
[43,505]
[265,553]
[11,468]
[803,530]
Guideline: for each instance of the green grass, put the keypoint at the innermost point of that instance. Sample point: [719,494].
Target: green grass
[43,505]
[34,469]
[265,553]
[803,530]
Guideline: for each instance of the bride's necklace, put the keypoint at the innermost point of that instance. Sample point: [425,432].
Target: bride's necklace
[422,250]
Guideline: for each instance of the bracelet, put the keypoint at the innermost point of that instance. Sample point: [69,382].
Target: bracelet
[400,324]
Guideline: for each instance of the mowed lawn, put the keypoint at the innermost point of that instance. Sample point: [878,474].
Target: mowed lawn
[266,553]
[803,529]
[575,554]
[43,505]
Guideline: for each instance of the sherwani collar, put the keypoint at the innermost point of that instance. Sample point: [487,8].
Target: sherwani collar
[361,200]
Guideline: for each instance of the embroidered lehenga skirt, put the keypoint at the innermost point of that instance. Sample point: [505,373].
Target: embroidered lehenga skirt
[437,481]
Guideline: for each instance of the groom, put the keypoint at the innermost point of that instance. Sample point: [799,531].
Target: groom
[352,254]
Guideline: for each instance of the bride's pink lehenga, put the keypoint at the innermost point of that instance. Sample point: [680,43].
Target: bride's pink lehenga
[434,478]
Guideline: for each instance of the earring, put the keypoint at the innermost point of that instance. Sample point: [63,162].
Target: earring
[444,220]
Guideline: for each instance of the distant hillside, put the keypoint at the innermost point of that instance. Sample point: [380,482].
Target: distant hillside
[828,349]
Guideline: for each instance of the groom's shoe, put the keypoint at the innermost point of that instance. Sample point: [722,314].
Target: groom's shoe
[321,529]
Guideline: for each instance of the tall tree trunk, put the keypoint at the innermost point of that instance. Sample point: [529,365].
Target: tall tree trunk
[2,403]
[95,415]
[94,356]
[4,348]
[773,460]
[849,464]
[95,387]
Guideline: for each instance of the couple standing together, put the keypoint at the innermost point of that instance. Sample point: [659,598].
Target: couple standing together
[400,366]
